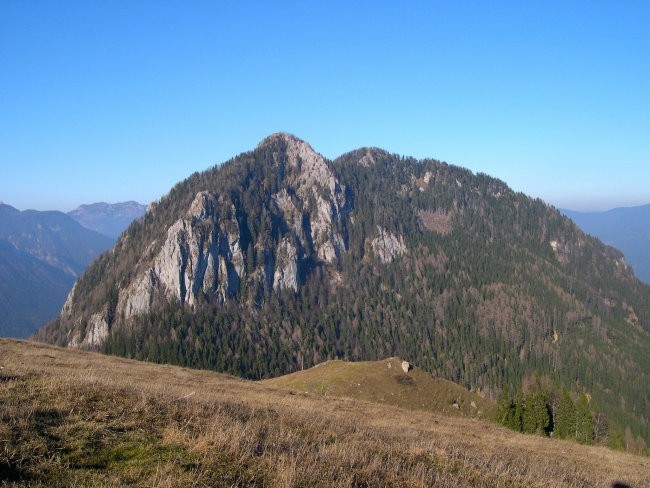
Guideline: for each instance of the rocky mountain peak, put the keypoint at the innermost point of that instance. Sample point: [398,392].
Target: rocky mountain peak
[305,167]
[209,250]
[282,137]
[309,176]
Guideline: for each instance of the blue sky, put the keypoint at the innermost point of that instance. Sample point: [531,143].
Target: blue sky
[114,101]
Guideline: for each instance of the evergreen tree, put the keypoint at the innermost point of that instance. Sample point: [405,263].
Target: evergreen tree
[584,432]
[600,423]
[506,408]
[565,418]
[536,413]
[517,422]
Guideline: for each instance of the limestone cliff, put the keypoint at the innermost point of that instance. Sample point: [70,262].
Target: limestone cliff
[387,246]
[202,254]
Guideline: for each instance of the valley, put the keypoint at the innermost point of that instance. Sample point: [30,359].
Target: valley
[627,229]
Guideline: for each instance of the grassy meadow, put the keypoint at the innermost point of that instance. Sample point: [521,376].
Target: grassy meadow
[74,418]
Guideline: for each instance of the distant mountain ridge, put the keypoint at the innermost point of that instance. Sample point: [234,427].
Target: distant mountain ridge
[625,228]
[31,291]
[52,237]
[41,254]
[110,219]
[280,258]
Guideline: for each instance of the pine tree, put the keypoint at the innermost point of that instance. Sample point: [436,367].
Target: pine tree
[506,408]
[584,428]
[565,418]
[517,422]
[536,413]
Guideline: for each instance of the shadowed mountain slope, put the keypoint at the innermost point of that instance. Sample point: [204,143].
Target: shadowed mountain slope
[31,291]
[41,254]
[52,237]
[627,229]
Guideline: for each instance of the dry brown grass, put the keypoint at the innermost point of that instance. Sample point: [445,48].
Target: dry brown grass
[71,418]
[384,382]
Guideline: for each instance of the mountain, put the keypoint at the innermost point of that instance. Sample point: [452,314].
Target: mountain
[279,259]
[31,291]
[627,229]
[52,237]
[110,219]
[76,418]
[41,255]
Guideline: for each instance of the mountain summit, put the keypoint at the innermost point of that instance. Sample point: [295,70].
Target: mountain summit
[279,259]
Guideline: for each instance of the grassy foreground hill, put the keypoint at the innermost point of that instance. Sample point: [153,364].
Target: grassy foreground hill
[386,382]
[76,418]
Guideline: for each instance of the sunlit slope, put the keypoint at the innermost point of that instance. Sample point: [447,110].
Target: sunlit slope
[76,418]
[386,382]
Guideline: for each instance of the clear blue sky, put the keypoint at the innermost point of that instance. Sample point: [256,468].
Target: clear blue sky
[114,101]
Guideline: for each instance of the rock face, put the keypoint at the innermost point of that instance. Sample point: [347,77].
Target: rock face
[314,184]
[388,246]
[202,253]
[95,333]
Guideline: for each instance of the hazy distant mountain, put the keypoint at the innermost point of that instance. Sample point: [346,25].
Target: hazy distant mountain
[41,254]
[280,258]
[31,291]
[109,219]
[53,237]
[626,228]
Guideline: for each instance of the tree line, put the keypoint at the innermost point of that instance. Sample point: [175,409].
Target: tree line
[543,412]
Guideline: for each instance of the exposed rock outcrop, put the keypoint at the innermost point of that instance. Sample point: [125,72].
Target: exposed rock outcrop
[203,251]
[95,332]
[286,270]
[201,254]
[315,186]
[387,246]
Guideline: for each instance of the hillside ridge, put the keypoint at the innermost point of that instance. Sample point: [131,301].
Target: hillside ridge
[390,381]
[109,219]
[626,228]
